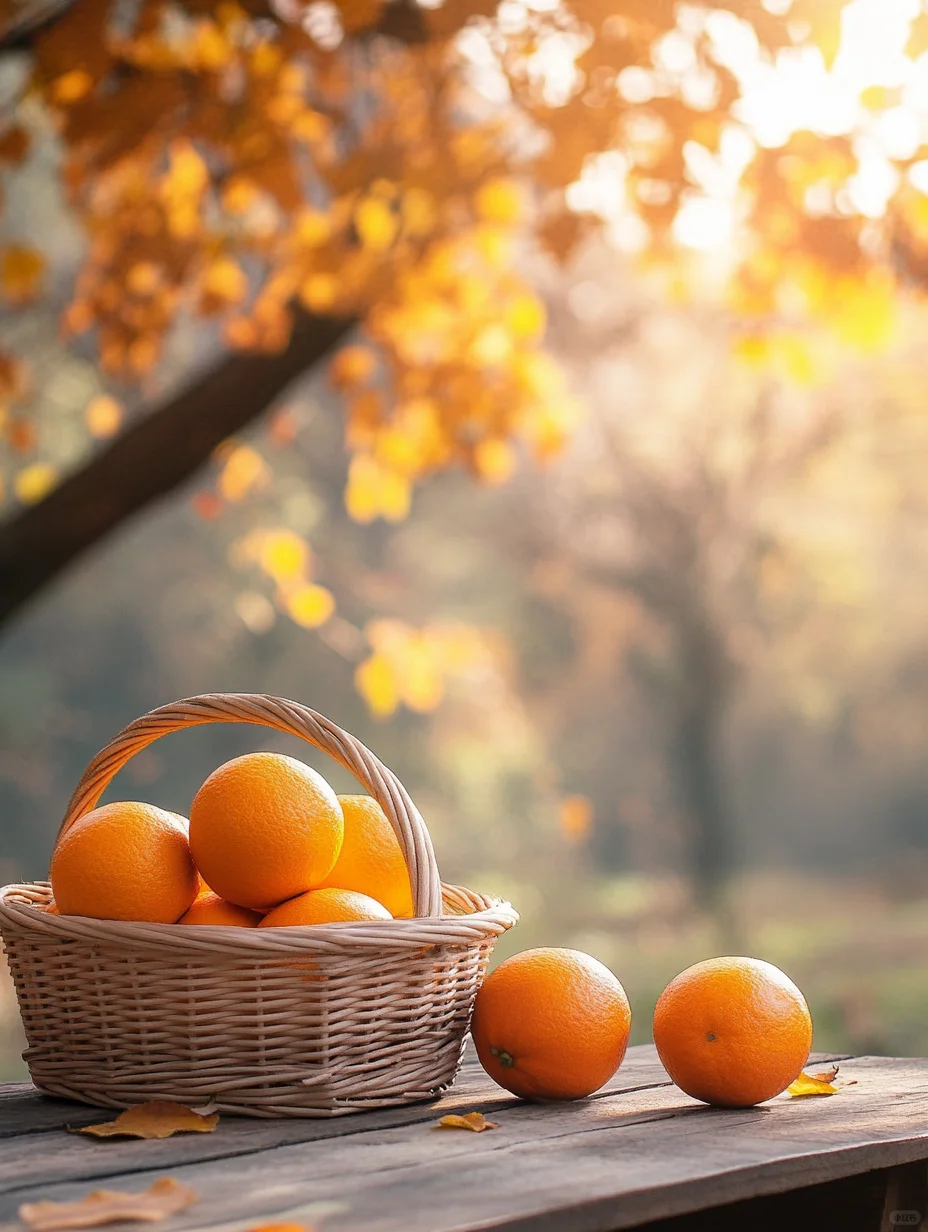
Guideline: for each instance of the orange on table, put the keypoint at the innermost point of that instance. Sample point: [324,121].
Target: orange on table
[124,861]
[209,908]
[263,828]
[371,860]
[551,1024]
[732,1031]
[328,906]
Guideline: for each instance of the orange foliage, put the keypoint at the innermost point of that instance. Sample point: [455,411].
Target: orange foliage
[247,162]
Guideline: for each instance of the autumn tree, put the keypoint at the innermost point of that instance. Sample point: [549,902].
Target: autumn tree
[298,171]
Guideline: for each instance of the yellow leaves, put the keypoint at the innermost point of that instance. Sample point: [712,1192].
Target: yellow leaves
[182,189]
[494,460]
[500,200]
[375,491]
[474,1121]
[310,605]
[33,483]
[525,316]
[318,292]
[411,667]
[353,365]
[243,471]
[21,273]
[797,357]
[103,416]
[375,679]
[223,283]
[376,224]
[575,815]
[311,227]
[286,558]
[163,1198]
[822,1083]
[283,554]
[158,1119]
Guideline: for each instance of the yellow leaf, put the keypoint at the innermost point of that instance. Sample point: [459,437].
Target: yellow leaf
[310,606]
[33,483]
[576,816]
[158,1119]
[312,227]
[810,1084]
[500,200]
[21,273]
[474,1121]
[239,194]
[375,223]
[243,471]
[353,365]
[225,280]
[163,1198]
[318,292]
[494,460]
[103,416]
[284,555]
[375,680]
[525,316]
[143,278]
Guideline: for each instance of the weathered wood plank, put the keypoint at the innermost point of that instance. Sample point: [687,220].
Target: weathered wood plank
[56,1157]
[610,1163]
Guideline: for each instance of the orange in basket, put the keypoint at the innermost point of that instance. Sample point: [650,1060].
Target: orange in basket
[125,861]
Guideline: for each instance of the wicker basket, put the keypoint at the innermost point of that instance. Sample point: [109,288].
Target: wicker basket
[315,1022]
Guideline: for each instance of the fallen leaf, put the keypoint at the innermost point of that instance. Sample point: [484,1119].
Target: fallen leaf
[475,1121]
[821,1083]
[159,1119]
[165,1197]
[808,1084]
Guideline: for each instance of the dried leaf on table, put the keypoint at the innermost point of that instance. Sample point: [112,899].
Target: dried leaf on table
[474,1121]
[822,1083]
[158,1119]
[165,1197]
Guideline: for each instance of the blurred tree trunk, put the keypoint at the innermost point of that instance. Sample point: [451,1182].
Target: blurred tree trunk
[697,722]
[156,454]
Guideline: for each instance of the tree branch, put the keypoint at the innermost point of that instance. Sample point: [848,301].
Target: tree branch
[150,459]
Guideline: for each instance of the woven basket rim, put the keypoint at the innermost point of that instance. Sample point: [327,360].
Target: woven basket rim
[488,916]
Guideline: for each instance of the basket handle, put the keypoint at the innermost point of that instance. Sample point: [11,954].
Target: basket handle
[296,720]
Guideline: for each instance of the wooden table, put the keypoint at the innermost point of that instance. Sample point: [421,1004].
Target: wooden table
[638,1154]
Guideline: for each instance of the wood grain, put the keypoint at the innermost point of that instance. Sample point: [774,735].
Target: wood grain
[639,1151]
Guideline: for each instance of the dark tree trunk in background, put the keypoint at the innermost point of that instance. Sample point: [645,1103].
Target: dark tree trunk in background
[697,738]
[150,459]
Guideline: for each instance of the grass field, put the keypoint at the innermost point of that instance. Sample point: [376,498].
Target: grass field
[857,948]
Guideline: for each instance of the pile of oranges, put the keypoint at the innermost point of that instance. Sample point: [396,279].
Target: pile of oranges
[270,845]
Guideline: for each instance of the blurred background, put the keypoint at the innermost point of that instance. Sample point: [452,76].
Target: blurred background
[536,389]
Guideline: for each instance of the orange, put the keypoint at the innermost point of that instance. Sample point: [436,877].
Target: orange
[732,1031]
[371,860]
[264,828]
[551,1024]
[125,861]
[209,908]
[329,906]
